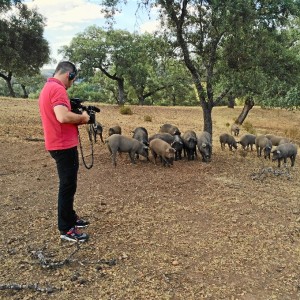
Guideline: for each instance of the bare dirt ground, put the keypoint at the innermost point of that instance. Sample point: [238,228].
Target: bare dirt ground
[229,229]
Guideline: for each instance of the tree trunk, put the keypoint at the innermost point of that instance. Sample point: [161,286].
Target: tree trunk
[121,98]
[173,100]
[207,109]
[249,103]
[11,90]
[141,100]
[231,101]
[8,82]
[25,94]
[121,92]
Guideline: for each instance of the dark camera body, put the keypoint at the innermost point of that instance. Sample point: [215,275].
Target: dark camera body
[78,108]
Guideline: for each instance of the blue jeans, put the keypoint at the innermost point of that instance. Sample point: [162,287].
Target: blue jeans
[67,164]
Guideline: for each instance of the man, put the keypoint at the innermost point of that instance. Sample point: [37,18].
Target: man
[61,140]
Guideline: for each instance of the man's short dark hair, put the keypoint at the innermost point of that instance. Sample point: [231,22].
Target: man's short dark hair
[66,67]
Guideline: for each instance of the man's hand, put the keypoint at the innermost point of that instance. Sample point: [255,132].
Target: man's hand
[92,118]
[86,118]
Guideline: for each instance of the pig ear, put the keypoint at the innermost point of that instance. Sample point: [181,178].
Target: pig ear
[203,145]
[277,151]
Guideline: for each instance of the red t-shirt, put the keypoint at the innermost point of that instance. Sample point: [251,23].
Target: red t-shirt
[58,136]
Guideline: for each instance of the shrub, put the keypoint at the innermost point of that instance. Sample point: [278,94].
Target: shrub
[292,133]
[249,127]
[227,124]
[125,110]
[147,118]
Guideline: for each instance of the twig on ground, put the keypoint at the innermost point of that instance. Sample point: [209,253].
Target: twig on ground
[46,263]
[34,287]
[263,172]
[31,139]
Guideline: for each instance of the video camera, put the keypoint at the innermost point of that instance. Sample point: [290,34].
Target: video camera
[78,108]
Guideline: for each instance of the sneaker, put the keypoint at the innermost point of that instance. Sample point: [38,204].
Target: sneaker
[74,236]
[80,223]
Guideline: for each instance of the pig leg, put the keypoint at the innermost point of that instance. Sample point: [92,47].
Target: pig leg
[279,161]
[109,149]
[132,157]
[101,137]
[161,160]
[292,160]
[113,156]
[170,161]
[164,161]
[154,156]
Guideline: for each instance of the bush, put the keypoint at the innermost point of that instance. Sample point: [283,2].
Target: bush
[249,127]
[125,110]
[292,133]
[147,118]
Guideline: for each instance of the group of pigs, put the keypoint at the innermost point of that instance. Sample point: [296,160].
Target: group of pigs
[167,145]
[264,143]
[170,144]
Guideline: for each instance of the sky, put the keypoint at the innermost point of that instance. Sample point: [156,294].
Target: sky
[64,19]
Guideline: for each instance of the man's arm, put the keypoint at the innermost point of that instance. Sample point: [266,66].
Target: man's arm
[63,115]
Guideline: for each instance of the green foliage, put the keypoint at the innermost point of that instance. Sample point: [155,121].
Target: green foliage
[137,67]
[26,50]
[292,98]
[215,47]
[107,51]
[289,99]
[125,110]
[225,45]
[23,48]
[232,46]
[7,4]
[3,88]
[86,91]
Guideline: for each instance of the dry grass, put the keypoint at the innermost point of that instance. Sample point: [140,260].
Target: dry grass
[224,230]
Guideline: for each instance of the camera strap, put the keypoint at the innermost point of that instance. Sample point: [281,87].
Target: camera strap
[91,145]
